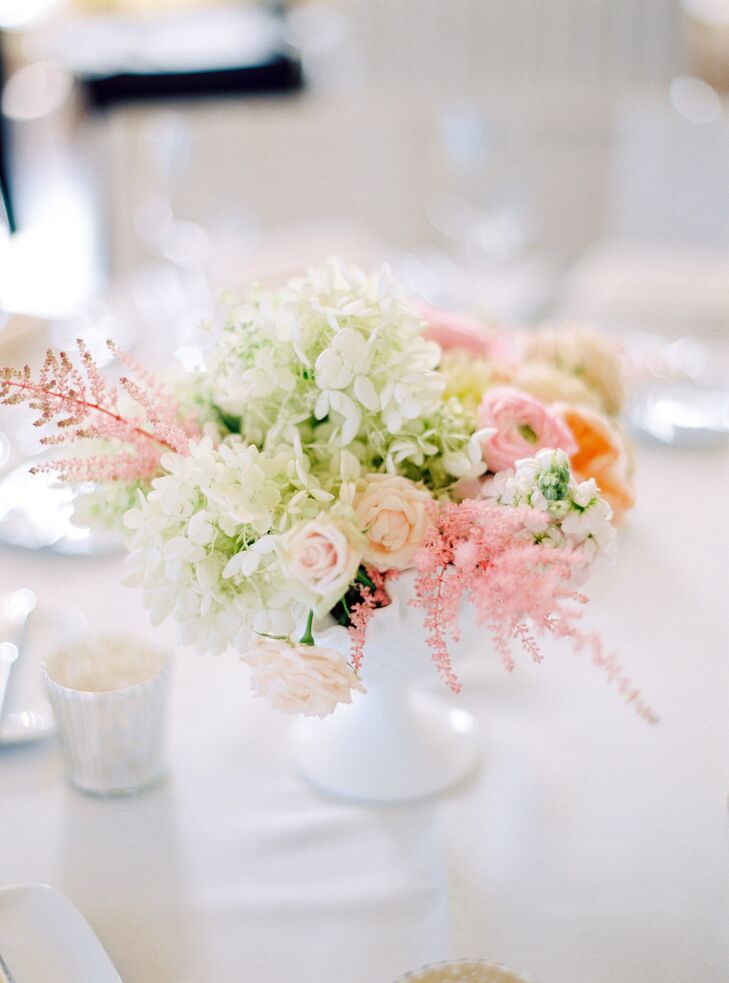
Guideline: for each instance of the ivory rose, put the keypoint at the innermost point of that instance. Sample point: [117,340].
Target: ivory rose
[521,427]
[602,454]
[322,558]
[395,515]
[299,678]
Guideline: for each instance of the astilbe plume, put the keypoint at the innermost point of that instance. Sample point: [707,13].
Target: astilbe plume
[360,613]
[477,553]
[84,405]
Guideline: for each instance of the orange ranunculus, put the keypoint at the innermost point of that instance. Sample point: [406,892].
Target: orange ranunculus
[602,453]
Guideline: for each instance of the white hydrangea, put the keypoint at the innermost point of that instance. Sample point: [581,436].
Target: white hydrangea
[102,506]
[336,359]
[202,545]
[567,513]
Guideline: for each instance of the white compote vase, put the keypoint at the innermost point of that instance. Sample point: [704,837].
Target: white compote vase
[398,742]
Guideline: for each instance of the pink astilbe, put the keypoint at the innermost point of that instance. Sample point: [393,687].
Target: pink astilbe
[360,613]
[478,552]
[615,672]
[84,405]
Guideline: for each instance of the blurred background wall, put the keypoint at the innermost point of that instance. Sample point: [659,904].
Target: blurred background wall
[488,144]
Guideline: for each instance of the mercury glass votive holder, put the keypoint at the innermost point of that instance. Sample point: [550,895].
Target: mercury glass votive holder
[113,739]
[463,971]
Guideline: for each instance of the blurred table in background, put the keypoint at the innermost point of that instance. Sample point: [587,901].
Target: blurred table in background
[230,51]
[484,136]
[707,26]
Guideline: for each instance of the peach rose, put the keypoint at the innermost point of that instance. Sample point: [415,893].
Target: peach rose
[584,354]
[395,515]
[522,427]
[321,558]
[301,678]
[602,453]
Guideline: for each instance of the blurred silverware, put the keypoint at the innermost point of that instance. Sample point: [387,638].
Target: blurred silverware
[5,975]
[681,414]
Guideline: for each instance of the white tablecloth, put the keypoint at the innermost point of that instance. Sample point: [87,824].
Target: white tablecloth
[590,848]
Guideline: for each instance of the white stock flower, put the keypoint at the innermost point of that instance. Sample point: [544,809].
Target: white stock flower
[565,513]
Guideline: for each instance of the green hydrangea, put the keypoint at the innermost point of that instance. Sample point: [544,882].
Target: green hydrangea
[337,362]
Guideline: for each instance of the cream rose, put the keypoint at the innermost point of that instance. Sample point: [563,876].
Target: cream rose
[550,385]
[321,558]
[584,354]
[300,678]
[395,515]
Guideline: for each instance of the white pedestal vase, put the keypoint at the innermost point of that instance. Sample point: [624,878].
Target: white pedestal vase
[396,743]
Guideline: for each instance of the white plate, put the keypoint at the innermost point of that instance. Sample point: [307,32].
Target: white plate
[27,715]
[23,726]
[44,937]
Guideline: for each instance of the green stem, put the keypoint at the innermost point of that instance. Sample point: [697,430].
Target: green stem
[362,578]
[346,607]
[307,638]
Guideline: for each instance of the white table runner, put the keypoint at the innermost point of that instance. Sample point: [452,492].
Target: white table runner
[590,847]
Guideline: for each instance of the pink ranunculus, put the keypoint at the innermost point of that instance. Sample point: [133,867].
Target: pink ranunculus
[465,333]
[523,427]
[301,678]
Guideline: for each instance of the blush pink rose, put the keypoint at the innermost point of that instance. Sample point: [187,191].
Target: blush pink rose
[322,561]
[457,331]
[522,427]
[394,514]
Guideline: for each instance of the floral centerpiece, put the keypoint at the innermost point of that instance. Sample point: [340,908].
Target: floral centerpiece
[339,437]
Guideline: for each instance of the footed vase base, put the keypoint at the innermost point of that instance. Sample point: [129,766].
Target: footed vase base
[384,751]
